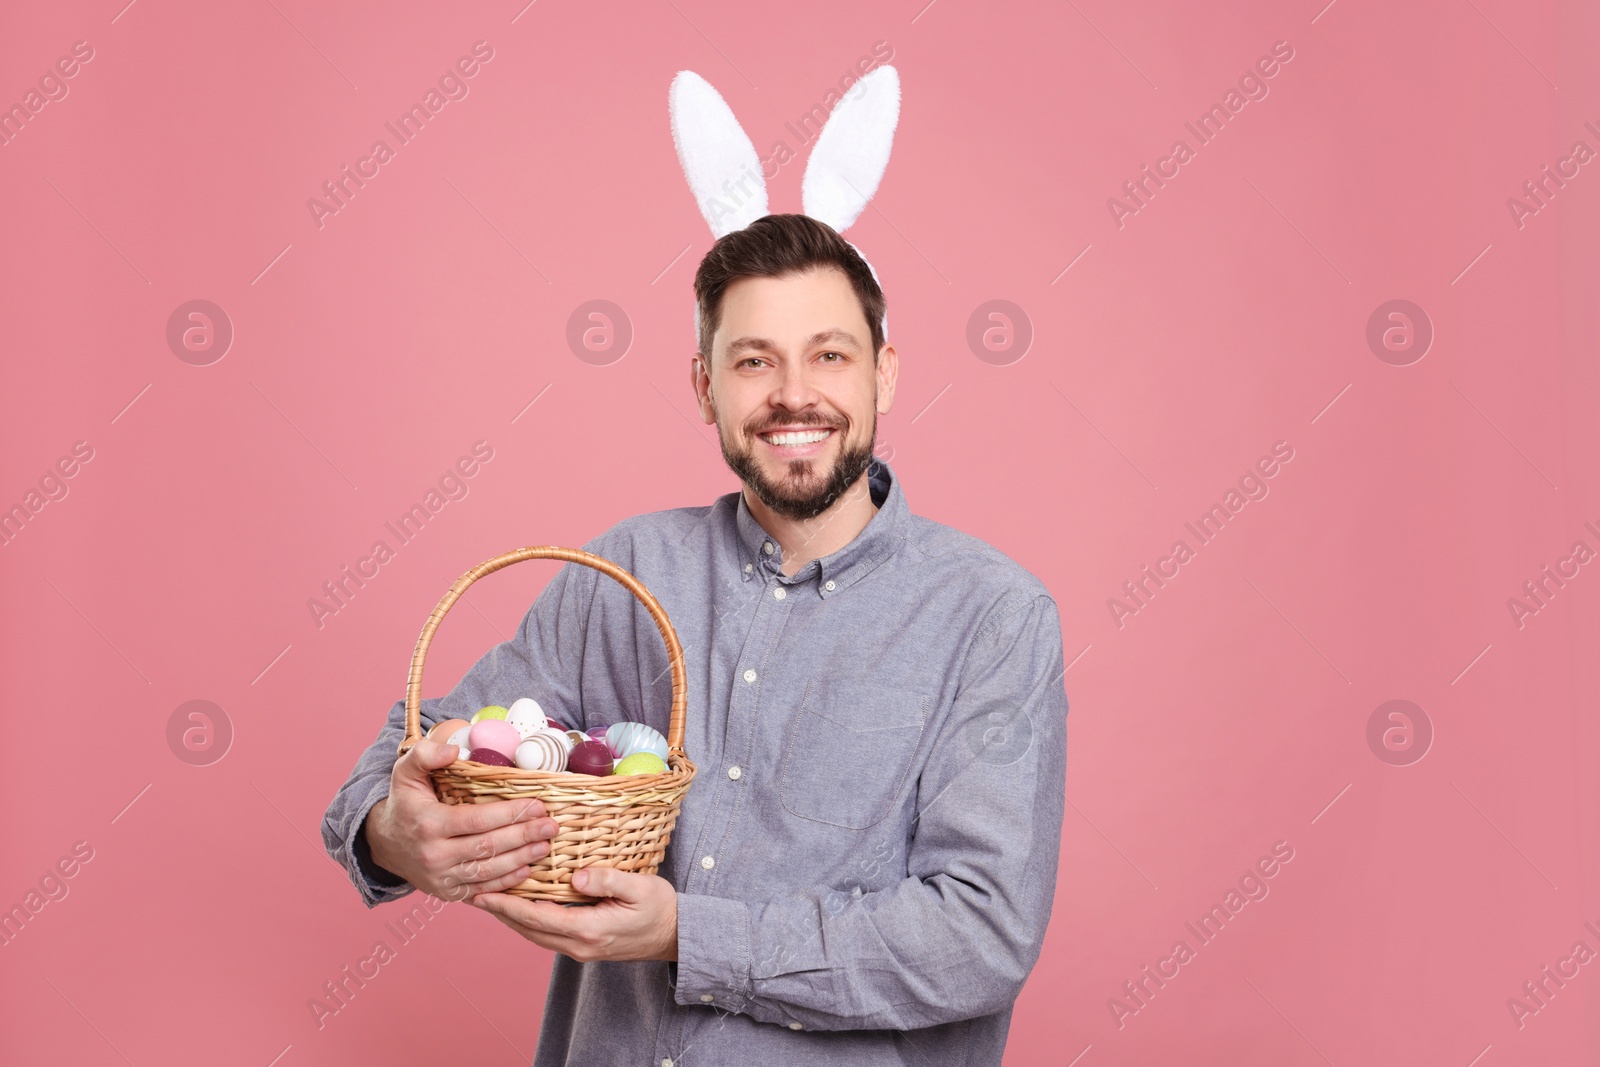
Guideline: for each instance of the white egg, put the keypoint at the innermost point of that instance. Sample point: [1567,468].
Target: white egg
[459,739]
[527,716]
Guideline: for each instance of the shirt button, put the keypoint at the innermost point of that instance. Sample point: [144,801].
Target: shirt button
[779,593]
[828,585]
[794,1026]
[748,567]
[707,862]
[767,548]
[666,1063]
[706,998]
[734,772]
[749,675]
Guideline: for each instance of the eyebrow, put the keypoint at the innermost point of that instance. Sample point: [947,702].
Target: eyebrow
[835,336]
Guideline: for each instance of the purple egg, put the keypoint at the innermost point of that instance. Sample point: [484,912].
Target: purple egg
[490,757]
[556,725]
[597,732]
[591,757]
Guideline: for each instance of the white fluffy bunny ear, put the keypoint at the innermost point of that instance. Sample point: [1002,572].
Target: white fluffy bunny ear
[720,163]
[852,151]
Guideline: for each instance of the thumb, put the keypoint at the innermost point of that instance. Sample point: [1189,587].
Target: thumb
[609,882]
[426,755]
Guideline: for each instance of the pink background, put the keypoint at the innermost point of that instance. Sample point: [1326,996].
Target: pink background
[1228,314]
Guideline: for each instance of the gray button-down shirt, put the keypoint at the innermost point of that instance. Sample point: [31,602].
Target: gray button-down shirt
[866,861]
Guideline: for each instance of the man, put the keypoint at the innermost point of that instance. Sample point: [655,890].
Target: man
[864,867]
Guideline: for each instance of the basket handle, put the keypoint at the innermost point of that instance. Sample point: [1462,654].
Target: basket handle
[680,686]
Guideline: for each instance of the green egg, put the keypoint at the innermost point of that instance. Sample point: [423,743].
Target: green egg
[493,711]
[640,763]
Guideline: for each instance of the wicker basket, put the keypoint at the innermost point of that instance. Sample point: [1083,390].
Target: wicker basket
[622,821]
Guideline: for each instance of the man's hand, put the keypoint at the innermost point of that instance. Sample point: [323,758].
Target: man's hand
[637,920]
[452,851]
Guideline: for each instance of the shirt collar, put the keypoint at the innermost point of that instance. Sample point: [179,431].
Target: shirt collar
[761,553]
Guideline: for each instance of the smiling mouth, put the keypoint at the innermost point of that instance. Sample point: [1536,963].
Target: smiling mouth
[797,444]
[796,438]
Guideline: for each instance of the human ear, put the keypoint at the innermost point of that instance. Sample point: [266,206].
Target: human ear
[887,372]
[700,382]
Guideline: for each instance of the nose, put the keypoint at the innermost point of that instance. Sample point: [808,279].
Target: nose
[794,390]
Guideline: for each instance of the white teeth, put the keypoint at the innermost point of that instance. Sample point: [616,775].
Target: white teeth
[796,438]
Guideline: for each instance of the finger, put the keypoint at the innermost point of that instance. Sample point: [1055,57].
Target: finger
[553,942]
[482,869]
[505,839]
[542,916]
[464,820]
[501,884]
[465,891]
[625,886]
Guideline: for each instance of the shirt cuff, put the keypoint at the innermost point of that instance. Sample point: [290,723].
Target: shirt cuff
[362,848]
[377,885]
[713,952]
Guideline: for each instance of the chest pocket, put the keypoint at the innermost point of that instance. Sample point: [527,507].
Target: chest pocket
[849,750]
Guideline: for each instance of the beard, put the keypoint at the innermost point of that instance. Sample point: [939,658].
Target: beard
[803,492]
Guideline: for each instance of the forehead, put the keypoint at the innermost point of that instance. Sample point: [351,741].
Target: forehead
[790,312]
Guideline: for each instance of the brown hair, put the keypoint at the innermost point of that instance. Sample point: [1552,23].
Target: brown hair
[777,245]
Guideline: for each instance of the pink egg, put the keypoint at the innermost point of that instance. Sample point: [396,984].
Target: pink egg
[496,734]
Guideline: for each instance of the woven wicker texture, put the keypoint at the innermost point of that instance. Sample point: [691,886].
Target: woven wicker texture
[622,821]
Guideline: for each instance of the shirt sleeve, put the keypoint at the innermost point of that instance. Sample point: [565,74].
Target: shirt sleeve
[544,660]
[957,937]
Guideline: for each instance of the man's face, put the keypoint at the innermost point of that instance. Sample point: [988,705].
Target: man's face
[791,360]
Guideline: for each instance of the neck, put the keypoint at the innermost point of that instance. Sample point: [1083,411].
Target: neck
[804,540]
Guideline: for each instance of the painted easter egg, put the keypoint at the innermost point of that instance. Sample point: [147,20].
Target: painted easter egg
[490,757]
[544,751]
[442,731]
[493,711]
[496,734]
[459,739]
[641,763]
[578,737]
[597,732]
[591,757]
[627,738]
[527,716]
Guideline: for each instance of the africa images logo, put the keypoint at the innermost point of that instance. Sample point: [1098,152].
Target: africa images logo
[452,85]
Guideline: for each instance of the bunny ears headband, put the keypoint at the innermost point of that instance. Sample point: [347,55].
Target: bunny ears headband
[842,173]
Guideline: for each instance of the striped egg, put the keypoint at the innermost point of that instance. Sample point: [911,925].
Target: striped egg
[629,738]
[544,751]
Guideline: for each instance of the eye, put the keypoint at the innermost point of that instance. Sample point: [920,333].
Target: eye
[839,354]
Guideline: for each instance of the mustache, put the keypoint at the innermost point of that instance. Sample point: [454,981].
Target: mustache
[818,423]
